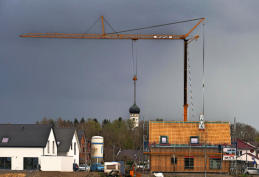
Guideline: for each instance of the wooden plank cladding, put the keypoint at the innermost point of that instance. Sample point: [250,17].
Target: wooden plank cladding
[175,162]
[177,146]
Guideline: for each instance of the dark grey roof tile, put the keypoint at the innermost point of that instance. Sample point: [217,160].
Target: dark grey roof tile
[24,135]
[64,136]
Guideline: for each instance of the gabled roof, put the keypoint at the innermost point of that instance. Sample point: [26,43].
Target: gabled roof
[130,154]
[244,145]
[179,132]
[64,138]
[24,135]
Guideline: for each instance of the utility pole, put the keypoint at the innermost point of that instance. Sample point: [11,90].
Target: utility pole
[205,154]
[235,141]
[185,105]
[85,150]
[113,152]
[143,159]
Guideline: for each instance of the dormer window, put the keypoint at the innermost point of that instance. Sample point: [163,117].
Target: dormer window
[194,140]
[5,140]
[163,139]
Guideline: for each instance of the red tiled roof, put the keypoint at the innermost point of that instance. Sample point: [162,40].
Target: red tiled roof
[243,145]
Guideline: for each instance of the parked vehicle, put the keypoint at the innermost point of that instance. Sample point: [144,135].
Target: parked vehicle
[97,167]
[75,167]
[158,174]
[251,171]
[84,167]
[112,168]
[140,166]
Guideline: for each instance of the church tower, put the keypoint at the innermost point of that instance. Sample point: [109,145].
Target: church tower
[134,110]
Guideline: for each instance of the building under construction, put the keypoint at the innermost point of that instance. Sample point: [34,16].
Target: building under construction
[174,146]
[182,146]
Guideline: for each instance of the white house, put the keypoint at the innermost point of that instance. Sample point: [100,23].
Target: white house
[33,146]
[247,153]
[68,143]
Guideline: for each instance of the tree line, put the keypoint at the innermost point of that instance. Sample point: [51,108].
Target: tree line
[118,134]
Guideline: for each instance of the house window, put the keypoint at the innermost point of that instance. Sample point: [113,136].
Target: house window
[188,163]
[30,163]
[194,140]
[5,163]
[48,147]
[173,160]
[74,148]
[53,147]
[163,139]
[215,163]
[5,140]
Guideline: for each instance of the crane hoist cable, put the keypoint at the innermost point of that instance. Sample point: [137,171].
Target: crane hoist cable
[135,69]
[156,26]
[106,21]
[190,86]
[134,57]
[203,65]
[89,29]
[193,113]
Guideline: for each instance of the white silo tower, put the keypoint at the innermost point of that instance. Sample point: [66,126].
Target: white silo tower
[97,149]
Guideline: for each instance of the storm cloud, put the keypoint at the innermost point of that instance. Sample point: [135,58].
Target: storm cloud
[71,78]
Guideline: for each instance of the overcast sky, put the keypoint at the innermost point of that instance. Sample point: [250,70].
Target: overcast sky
[72,78]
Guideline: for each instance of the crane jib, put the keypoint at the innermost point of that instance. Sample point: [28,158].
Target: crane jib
[100,36]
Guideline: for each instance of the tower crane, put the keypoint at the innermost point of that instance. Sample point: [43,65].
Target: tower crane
[118,35]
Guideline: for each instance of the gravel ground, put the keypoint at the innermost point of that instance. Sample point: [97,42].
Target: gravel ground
[93,174]
[48,174]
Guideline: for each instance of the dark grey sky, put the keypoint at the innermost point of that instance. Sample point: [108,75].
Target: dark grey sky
[71,78]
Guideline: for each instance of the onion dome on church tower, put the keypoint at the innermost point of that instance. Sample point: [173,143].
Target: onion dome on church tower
[134,109]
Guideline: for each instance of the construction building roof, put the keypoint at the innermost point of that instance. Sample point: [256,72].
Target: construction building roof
[179,132]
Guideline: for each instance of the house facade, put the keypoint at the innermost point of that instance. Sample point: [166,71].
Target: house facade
[247,154]
[85,148]
[176,146]
[68,143]
[33,146]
